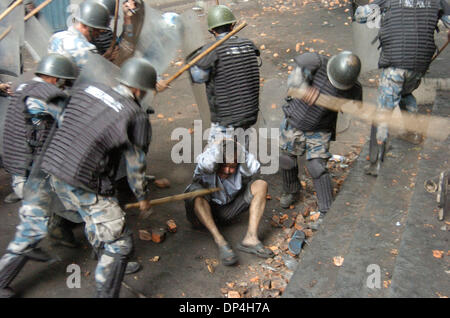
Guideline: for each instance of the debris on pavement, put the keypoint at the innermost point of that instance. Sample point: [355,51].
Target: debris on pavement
[158,235]
[145,235]
[162,183]
[171,226]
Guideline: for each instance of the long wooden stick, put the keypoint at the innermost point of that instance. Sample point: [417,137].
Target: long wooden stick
[177,197]
[5,33]
[431,126]
[37,9]
[116,18]
[206,52]
[439,51]
[9,9]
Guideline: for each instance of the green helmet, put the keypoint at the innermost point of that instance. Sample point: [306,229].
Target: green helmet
[110,5]
[343,70]
[220,15]
[57,65]
[138,73]
[94,15]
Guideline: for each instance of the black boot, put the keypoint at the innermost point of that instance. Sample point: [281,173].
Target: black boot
[111,287]
[291,187]
[374,167]
[8,273]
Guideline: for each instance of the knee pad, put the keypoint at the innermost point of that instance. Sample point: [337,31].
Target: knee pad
[316,167]
[287,161]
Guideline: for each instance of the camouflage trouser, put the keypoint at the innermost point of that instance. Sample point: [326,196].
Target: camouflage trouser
[105,224]
[296,142]
[395,89]
[55,220]
[34,215]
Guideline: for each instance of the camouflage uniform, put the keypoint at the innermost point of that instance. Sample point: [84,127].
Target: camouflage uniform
[296,142]
[105,224]
[73,44]
[34,214]
[396,84]
[395,89]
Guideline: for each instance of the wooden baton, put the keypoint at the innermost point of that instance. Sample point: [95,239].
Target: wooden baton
[116,18]
[37,9]
[206,52]
[5,33]
[177,197]
[432,126]
[439,51]
[9,9]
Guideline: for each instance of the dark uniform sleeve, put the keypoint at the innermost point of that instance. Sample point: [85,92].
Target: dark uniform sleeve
[135,155]
[140,131]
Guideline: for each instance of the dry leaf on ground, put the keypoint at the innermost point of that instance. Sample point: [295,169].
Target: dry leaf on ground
[338,261]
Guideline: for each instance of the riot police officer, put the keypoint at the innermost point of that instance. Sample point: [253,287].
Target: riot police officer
[109,123]
[231,75]
[407,47]
[34,108]
[309,128]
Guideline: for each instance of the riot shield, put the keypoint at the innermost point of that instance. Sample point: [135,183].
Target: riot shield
[10,44]
[363,36]
[98,70]
[271,100]
[4,101]
[37,37]
[160,38]
[193,39]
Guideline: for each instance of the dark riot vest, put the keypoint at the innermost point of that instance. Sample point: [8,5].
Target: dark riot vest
[233,90]
[317,118]
[98,125]
[407,34]
[23,140]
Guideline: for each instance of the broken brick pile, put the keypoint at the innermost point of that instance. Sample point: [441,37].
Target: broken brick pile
[269,278]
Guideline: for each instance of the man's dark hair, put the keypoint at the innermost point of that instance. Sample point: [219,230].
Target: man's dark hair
[223,28]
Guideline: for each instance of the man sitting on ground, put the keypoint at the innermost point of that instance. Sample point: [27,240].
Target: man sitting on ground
[227,165]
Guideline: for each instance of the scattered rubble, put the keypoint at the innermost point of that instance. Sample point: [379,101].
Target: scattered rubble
[171,226]
[270,277]
[158,235]
[162,183]
[145,235]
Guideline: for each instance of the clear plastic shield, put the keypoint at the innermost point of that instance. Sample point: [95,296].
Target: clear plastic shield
[98,70]
[160,38]
[193,38]
[37,37]
[368,52]
[14,18]
[193,32]
[271,101]
[10,44]
[4,101]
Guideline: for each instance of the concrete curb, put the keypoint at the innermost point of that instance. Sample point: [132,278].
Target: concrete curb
[440,84]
